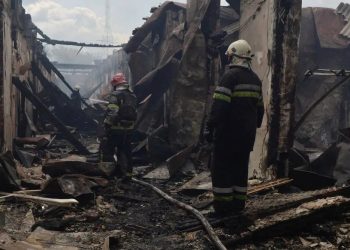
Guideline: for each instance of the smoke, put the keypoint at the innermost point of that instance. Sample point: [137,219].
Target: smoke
[79,24]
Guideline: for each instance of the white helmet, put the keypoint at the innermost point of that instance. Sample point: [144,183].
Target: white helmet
[76,87]
[240,49]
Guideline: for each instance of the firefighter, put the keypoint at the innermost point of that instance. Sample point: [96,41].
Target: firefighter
[76,97]
[119,124]
[236,112]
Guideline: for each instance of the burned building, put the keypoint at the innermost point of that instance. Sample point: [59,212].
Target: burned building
[324,44]
[177,89]
[173,63]
[18,49]
[29,96]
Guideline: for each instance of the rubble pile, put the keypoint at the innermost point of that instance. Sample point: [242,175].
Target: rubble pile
[68,201]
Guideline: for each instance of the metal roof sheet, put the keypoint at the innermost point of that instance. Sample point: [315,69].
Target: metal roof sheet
[328,27]
[344,10]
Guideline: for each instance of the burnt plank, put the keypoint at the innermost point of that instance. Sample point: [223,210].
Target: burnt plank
[21,86]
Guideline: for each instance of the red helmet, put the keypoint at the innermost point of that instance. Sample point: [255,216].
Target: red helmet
[118,79]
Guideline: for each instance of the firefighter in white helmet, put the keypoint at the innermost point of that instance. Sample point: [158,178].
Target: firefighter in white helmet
[236,112]
[76,97]
[240,53]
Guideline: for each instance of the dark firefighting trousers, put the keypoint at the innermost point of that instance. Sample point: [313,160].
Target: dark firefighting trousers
[118,142]
[229,172]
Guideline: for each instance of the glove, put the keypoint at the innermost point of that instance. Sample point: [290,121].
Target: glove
[209,134]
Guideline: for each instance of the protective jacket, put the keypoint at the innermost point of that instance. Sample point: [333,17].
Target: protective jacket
[121,111]
[119,124]
[237,109]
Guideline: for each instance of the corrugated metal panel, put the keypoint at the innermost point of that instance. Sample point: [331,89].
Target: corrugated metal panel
[344,10]
[328,27]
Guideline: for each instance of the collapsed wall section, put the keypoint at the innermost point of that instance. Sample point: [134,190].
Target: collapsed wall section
[8,93]
[256,26]
[18,49]
[322,47]
[272,27]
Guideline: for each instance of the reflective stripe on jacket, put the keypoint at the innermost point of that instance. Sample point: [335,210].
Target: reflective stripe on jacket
[237,108]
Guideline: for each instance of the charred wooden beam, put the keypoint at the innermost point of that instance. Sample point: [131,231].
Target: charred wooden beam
[285,60]
[48,85]
[74,66]
[40,200]
[60,99]
[151,24]
[48,40]
[293,203]
[57,168]
[21,86]
[292,220]
[327,72]
[90,45]
[49,66]
[40,32]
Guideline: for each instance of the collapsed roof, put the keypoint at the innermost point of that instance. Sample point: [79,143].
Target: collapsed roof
[330,28]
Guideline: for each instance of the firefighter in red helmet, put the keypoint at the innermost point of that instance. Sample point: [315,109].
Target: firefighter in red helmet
[119,124]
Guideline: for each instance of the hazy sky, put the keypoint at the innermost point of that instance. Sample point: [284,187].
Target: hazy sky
[84,20]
